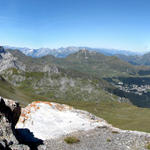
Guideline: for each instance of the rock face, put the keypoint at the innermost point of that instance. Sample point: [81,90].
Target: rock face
[7,60]
[9,115]
[19,61]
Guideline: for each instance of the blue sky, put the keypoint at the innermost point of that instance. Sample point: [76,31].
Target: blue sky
[119,24]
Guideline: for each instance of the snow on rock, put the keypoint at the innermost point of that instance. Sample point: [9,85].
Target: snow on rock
[48,120]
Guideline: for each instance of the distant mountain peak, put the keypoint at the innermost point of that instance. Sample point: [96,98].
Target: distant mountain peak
[65,51]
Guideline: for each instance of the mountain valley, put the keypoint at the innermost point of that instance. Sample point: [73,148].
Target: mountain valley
[105,86]
[86,80]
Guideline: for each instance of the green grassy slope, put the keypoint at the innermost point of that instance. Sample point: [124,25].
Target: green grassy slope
[62,86]
[121,115]
[8,91]
[97,64]
[22,96]
[136,60]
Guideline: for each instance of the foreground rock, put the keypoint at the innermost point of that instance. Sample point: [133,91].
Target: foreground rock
[45,125]
[51,120]
[9,115]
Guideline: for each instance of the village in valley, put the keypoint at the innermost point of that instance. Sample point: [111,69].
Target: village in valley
[132,88]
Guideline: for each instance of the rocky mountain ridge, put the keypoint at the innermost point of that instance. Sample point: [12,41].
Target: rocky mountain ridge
[7,60]
[22,62]
[136,60]
[88,62]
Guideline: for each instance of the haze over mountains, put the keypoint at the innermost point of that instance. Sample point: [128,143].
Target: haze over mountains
[136,59]
[132,57]
[63,52]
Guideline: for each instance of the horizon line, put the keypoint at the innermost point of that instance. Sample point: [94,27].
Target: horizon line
[134,51]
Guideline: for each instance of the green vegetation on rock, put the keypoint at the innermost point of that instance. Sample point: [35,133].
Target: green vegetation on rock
[71,140]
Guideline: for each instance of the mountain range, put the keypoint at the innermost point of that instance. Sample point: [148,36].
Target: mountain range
[45,78]
[83,74]
[63,52]
[134,58]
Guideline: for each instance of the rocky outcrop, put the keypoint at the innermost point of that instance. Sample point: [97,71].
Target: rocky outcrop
[9,115]
[51,120]
[52,69]
[19,61]
[47,124]
[7,60]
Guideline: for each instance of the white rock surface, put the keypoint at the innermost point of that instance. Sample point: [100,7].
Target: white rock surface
[51,120]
